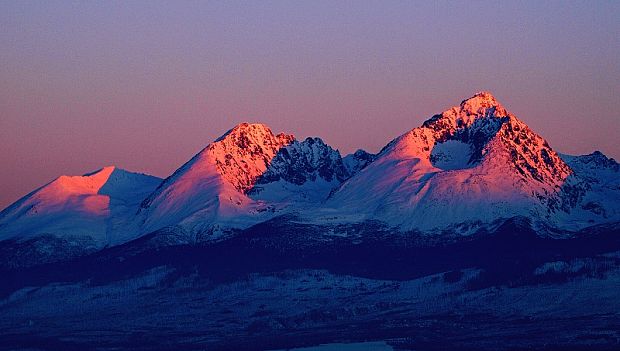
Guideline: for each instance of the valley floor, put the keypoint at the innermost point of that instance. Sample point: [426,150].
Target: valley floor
[298,308]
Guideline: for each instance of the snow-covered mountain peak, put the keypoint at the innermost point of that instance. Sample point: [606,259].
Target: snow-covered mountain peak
[468,161]
[481,130]
[244,153]
[245,173]
[89,193]
[109,181]
[214,183]
[89,183]
[481,112]
[104,170]
[467,128]
[482,102]
[78,205]
[254,132]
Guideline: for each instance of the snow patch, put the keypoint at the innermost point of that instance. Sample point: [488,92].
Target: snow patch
[451,155]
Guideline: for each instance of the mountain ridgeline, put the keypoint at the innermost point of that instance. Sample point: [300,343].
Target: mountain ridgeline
[465,171]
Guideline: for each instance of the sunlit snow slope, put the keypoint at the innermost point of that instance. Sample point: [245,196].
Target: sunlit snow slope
[470,166]
[98,206]
[246,176]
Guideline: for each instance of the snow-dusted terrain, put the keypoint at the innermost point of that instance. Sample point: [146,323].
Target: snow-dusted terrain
[469,232]
[96,206]
[471,166]
[565,304]
[307,299]
[246,176]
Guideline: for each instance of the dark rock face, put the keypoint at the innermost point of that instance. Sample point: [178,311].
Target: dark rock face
[593,172]
[531,155]
[598,160]
[305,161]
[357,161]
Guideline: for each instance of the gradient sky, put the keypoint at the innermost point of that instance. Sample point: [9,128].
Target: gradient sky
[146,85]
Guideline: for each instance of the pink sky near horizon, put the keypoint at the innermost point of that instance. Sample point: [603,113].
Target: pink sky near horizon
[146,85]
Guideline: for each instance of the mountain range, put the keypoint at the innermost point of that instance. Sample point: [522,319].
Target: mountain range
[470,167]
[469,230]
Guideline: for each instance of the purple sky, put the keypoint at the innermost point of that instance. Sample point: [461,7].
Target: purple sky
[146,85]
